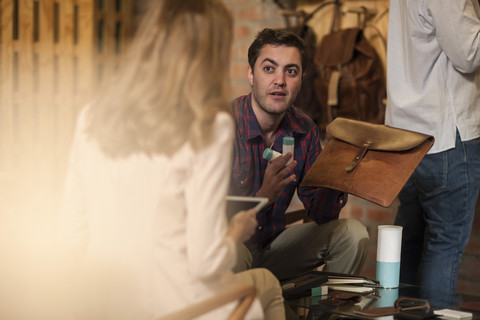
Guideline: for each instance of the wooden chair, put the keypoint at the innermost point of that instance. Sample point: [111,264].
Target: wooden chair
[246,293]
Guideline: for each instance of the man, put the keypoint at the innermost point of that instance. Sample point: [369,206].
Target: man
[277,62]
[433,87]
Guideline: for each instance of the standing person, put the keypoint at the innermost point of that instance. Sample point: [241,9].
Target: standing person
[145,194]
[277,62]
[433,88]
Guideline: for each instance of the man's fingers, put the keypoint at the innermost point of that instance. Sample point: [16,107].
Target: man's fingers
[281,161]
[285,171]
[288,180]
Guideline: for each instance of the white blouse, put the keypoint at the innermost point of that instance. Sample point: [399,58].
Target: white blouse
[151,229]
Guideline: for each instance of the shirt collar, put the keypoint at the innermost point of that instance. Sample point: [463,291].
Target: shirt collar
[288,125]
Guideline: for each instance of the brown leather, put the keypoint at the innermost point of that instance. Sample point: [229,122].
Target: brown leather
[306,98]
[360,90]
[340,298]
[342,295]
[379,171]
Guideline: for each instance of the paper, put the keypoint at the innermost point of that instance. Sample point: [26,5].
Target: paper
[351,288]
[453,314]
[332,281]
[339,278]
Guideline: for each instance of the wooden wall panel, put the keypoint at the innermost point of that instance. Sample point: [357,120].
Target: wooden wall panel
[26,109]
[44,88]
[84,51]
[49,50]
[64,97]
[6,73]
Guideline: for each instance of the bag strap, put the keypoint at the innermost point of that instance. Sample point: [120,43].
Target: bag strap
[304,17]
[336,14]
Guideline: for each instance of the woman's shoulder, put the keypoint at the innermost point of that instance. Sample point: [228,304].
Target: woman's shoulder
[223,122]
[221,134]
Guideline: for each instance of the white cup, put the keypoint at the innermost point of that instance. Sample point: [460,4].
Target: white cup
[389,247]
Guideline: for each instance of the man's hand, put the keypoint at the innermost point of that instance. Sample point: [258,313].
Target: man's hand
[277,176]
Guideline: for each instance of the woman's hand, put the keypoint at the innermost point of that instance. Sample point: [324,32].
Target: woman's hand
[243,225]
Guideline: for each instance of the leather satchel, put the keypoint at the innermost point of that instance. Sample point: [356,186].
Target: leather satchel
[351,79]
[371,161]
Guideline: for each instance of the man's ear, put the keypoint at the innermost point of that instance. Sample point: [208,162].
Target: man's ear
[250,75]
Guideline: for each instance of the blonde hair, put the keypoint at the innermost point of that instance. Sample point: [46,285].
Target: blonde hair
[172,83]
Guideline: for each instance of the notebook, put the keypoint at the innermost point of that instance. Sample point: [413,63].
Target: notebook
[239,203]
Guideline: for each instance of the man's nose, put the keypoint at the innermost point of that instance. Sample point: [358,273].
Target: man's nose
[280,79]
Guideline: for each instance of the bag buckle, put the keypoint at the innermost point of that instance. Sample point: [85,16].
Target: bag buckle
[358,157]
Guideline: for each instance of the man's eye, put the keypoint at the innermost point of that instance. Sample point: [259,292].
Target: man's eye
[268,68]
[292,72]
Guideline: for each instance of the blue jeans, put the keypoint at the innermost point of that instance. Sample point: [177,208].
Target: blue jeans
[437,207]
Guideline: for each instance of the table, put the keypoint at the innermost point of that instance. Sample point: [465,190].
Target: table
[316,309]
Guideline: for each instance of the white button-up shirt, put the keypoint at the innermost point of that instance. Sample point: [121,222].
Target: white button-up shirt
[433,69]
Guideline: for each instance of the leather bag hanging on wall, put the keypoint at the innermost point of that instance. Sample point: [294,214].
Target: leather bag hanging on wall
[351,78]
[371,161]
[307,99]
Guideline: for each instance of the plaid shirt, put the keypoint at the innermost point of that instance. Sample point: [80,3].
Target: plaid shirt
[248,169]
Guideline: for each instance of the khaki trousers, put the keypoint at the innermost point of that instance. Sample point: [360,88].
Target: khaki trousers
[268,289]
[340,245]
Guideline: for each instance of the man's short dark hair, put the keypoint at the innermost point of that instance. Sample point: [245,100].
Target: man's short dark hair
[277,38]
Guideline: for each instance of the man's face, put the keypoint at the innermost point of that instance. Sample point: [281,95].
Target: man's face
[276,78]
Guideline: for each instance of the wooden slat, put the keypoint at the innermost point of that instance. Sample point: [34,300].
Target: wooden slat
[45,89]
[110,19]
[26,125]
[6,74]
[84,52]
[65,103]
[127,18]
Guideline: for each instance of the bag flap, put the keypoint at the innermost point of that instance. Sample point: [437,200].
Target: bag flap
[377,136]
[337,48]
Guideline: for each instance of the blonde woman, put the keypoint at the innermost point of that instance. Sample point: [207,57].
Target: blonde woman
[149,170]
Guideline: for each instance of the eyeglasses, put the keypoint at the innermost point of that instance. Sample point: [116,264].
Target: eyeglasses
[406,303]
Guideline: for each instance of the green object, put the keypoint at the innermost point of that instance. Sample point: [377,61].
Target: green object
[288,141]
[319,291]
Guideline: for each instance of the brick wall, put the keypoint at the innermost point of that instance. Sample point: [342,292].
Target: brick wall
[250,17]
